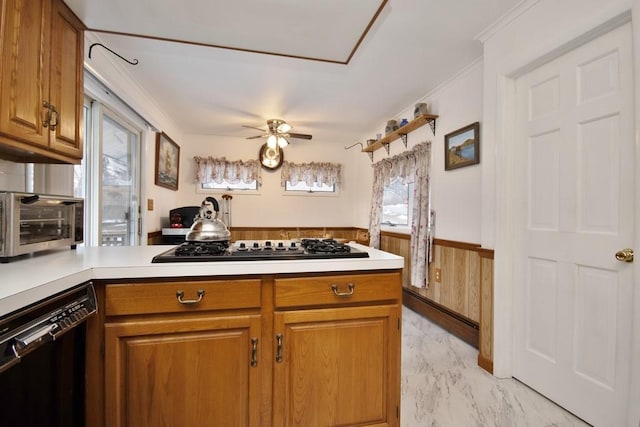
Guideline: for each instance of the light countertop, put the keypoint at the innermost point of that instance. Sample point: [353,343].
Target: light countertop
[27,280]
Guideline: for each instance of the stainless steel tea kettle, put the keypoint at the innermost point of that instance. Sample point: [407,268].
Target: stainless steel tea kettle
[207,227]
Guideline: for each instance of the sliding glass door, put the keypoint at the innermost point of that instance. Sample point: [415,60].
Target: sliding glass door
[111,177]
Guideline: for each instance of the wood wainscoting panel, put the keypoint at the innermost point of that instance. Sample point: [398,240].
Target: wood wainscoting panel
[485,354]
[399,244]
[462,300]
[289,233]
[473,289]
[154,238]
[459,285]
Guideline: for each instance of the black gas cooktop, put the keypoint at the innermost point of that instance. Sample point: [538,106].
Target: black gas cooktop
[259,251]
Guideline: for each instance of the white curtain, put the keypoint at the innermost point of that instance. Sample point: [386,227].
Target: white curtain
[310,173]
[222,170]
[414,166]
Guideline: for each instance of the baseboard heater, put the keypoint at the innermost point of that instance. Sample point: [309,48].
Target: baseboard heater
[461,327]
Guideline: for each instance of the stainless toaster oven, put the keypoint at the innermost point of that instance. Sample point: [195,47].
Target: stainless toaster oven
[35,222]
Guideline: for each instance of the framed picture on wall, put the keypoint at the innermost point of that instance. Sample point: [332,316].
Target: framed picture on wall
[167,162]
[462,147]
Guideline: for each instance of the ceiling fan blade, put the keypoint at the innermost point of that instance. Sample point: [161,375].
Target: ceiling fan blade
[255,137]
[299,135]
[253,127]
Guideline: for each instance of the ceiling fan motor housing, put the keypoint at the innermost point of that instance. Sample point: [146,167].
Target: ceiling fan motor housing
[278,126]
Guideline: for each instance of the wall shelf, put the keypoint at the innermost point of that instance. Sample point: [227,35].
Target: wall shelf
[402,133]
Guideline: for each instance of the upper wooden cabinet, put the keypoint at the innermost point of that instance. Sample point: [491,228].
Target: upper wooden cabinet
[41,82]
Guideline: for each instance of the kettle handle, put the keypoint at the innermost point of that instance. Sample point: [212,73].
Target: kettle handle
[213,200]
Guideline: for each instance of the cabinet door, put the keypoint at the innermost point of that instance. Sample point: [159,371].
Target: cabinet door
[67,80]
[182,372]
[337,367]
[25,67]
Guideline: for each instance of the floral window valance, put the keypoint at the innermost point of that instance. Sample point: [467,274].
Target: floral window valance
[221,170]
[311,173]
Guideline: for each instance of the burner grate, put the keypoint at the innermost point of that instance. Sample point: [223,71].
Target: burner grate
[328,246]
[201,248]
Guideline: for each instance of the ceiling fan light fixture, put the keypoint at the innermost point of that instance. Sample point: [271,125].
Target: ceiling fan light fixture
[282,141]
[284,127]
[272,141]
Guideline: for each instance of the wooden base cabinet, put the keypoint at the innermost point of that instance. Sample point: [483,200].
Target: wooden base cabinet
[337,350]
[175,355]
[182,372]
[337,367]
[298,350]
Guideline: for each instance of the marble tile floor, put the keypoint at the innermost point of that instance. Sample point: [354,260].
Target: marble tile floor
[442,386]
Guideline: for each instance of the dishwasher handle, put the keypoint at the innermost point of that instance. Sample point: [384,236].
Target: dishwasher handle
[27,341]
[32,338]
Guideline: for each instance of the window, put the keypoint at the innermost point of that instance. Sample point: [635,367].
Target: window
[220,174]
[397,202]
[314,188]
[110,174]
[310,178]
[228,186]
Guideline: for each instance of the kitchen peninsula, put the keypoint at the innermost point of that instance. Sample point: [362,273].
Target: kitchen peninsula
[243,343]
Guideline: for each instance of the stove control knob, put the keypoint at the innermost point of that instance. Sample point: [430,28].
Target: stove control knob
[256,245]
[293,246]
[242,245]
[280,245]
[267,243]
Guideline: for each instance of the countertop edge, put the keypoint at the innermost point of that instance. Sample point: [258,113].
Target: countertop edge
[31,280]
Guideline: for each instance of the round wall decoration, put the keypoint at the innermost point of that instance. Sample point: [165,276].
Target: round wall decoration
[271,158]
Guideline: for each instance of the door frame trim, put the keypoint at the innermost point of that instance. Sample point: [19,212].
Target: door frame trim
[505,190]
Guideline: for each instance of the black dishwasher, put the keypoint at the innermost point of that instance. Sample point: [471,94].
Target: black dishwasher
[42,361]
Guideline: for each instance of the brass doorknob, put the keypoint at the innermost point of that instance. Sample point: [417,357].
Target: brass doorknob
[625,255]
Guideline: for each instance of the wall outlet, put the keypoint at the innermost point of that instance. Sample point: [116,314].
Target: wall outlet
[149,204]
[438,275]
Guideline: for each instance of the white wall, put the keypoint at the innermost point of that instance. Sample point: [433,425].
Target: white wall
[456,194]
[12,176]
[271,207]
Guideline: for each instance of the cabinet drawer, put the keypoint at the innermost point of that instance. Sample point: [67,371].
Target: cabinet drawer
[145,298]
[336,290]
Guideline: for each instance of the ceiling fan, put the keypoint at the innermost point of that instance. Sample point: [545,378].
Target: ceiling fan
[277,133]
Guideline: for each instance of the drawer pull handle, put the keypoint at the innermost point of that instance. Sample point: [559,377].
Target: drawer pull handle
[180,294]
[351,287]
[279,348]
[254,352]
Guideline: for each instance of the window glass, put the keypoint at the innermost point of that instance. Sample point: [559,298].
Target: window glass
[397,202]
[225,186]
[315,188]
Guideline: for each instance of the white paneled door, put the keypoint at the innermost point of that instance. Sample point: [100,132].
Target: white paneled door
[575,163]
